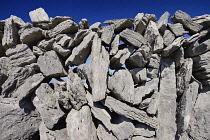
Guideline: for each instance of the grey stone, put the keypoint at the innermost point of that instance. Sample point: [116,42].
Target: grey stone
[137,22]
[154,61]
[38,16]
[64,39]
[145,103]
[186,106]
[78,38]
[20,55]
[120,58]
[76,90]
[115,45]
[46,134]
[95,27]
[37,51]
[103,133]
[133,38]
[203,20]
[2,50]
[139,75]
[145,89]
[121,86]
[168,37]
[62,94]
[129,112]
[152,73]
[81,52]
[99,65]
[63,51]
[83,24]
[162,22]
[141,138]
[80,125]
[140,57]
[83,72]
[177,29]
[4,69]
[143,130]
[47,105]
[173,46]
[178,56]
[65,27]
[58,19]
[107,33]
[166,115]
[18,120]
[158,44]
[186,21]
[154,104]
[46,44]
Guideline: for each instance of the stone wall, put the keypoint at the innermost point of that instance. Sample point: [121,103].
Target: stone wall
[133,79]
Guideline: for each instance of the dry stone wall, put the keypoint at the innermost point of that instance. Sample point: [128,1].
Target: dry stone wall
[133,79]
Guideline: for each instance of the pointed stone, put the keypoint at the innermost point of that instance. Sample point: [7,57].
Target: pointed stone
[80,125]
[102,133]
[162,22]
[177,29]
[137,21]
[83,24]
[139,75]
[39,16]
[95,27]
[107,33]
[168,37]
[78,38]
[115,45]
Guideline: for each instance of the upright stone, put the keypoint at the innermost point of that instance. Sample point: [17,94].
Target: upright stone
[162,22]
[39,16]
[107,33]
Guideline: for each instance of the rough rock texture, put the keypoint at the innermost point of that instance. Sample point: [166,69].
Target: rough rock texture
[203,20]
[102,133]
[38,16]
[177,29]
[162,22]
[107,33]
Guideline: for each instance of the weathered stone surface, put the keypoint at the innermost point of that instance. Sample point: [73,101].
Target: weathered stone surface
[120,58]
[143,130]
[63,39]
[133,38]
[4,69]
[152,73]
[81,52]
[141,138]
[145,89]
[154,104]
[95,27]
[47,105]
[76,90]
[199,124]
[83,24]
[20,55]
[140,57]
[80,125]
[137,22]
[99,65]
[158,44]
[177,29]
[115,45]
[83,72]
[203,20]
[186,21]
[174,46]
[103,133]
[46,134]
[37,51]
[139,75]
[154,61]
[186,106]
[78,38]
[64,52]
[18,120]
[162,22]
[57,20]
[130,112]
[183,76]
[151,32]
[168,37]
[38,16]
[167,108]
[178,56]
[107,33]
[121,86]
[50,65]
[46,44]
[145,103]
[65,27]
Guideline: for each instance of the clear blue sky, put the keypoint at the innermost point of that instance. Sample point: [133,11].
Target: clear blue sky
[98,10]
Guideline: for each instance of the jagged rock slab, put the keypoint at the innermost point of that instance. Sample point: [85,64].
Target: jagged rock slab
[158,44]
[78,38]
[46,44]
[145,103]
[46,134]
[64,39]
[133,38]
[20,55]
[186,106]
[115,45]
[137,22]
[65,27]
[37,51]
[57,20]
[83,72]
[95,26]
[130,112]
[177,29]
[47,105]
[39,16]
[18,120]
[154,104]
[143,130]
[76,90]
[140,57]
[83,24]
[122,86]
[154,61]
[80,125]
[99,65]
[4,68]
[139,75]
[152,73]
[151,32]
[168,37]
[103,133]
[203,20]
[167,108]
[50,65]
[178,56]
[81,52]
[64,52]
[162,22]
[107,33]
[186,21]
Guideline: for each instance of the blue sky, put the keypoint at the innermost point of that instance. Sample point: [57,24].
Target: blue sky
[98,10]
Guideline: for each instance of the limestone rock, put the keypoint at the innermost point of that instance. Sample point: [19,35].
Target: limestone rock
[46,44]
[95,27]
[203,20]
[64,39]
[143,130]
[122,86]
[115,45]
[103,133]
[83,24]
[80,125]
[37,51]
[133,38]
[138,21]
[139,75]
[152,73]
[130,112]
[158,44]
[48,61]
[142,138]
[57,20]
[154,104]
[107,33]
[64,52]
[20,55]
[4,68]
[99,65]
[168,37]
[177,29]
[186,21]
[154,61]
[162,22]
[178,56]
[81,52]
[45,102]
[83,72]
[38,16]
[151,32]
[145,103]
[78,38]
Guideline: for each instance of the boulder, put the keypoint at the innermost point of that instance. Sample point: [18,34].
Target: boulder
[162,22]
[39,16]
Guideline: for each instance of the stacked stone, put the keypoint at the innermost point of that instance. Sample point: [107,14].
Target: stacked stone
[133,79]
